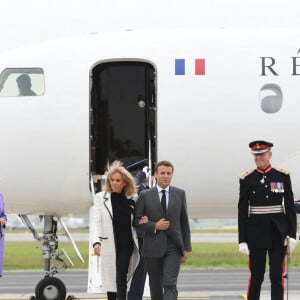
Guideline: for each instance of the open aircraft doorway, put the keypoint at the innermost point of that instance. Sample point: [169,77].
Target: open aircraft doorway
[123,114]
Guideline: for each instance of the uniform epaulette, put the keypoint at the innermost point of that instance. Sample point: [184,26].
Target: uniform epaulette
[285,171]
[245,174]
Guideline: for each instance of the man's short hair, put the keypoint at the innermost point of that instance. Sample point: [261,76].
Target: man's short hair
[164,163]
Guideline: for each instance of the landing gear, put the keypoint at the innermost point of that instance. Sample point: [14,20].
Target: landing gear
[50,288]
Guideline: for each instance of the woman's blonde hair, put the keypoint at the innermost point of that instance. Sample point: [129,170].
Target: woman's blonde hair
[117,167]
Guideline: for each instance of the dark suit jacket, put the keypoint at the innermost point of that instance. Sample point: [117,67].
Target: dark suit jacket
[155,241]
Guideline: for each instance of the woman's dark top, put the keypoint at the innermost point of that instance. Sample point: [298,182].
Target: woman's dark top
[122,210]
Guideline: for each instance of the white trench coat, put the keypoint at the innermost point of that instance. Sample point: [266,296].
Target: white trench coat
[101,229]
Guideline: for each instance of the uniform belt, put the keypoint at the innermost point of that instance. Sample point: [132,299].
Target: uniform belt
[266,209]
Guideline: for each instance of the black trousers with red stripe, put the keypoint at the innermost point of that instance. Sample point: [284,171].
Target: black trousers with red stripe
[257,266]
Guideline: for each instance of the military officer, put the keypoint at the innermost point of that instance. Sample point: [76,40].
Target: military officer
[266,217]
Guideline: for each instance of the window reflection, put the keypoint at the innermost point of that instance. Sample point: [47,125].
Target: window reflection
[22,82]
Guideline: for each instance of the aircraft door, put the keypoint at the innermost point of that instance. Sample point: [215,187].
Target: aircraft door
[123,114]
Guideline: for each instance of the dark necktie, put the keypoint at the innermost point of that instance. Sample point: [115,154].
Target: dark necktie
[164,201]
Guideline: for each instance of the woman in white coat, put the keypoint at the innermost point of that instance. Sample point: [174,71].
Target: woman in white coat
[113,235]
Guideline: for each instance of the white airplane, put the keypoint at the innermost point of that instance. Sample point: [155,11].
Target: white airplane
[195,95]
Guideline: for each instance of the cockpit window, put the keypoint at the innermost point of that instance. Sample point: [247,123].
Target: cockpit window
[22,82]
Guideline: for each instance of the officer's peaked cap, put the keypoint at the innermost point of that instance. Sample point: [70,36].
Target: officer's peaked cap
[137,165]
[259,147]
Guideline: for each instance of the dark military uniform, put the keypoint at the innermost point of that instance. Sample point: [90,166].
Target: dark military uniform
[266,215]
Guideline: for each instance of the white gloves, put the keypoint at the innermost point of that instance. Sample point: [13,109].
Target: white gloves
[147,171]
[243,248]
[292,244]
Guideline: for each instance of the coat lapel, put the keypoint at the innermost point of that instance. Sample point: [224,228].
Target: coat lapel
[155,199]
[172,197]
[107,203]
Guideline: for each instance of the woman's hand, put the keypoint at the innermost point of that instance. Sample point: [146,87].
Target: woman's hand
[97,249]
[143,220]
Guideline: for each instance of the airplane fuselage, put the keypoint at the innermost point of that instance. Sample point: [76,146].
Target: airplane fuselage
[211,93]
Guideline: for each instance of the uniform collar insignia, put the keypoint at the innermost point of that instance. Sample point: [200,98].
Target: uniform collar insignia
[268,169]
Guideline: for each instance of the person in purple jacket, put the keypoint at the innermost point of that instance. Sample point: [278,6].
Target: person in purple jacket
[3,220]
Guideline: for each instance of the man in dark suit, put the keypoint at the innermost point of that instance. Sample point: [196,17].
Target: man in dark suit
[266,217]
[161,212]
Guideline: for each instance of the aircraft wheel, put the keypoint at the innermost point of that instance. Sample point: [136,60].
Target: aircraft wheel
[50,288]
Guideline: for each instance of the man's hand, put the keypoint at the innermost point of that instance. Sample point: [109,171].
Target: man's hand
[147,171]
[162,224]
[292,244]
[184,257]
[243,249]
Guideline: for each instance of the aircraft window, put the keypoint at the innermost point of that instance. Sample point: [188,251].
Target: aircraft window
[22,82]
[271,98]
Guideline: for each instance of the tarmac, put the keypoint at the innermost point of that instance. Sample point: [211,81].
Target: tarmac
[186,296]
[294,294]
[103,297]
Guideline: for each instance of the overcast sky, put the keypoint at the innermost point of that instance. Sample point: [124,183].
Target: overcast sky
[25,21]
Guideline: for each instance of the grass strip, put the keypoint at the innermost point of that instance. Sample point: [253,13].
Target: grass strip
[28,256]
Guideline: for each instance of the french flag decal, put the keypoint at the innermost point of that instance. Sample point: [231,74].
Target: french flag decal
[200,66]
[180,66]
